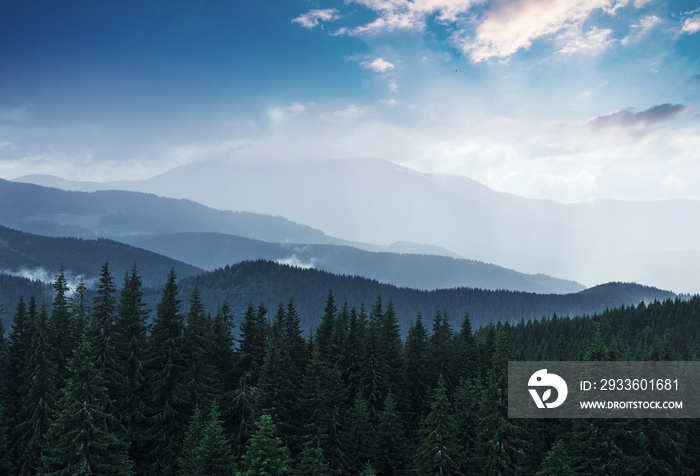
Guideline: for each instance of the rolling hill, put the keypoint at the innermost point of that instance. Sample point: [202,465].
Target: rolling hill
[273,283]
[418,271]
[41,258]
[374,201]
[208,238]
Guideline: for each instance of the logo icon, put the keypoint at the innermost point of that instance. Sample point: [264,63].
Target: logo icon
[550,381]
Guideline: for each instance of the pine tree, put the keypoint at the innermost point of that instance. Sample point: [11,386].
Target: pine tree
[38,398]
[7,457]
[101,335]
[189,460]
[466,352]
[417,373]
[214,450]
[325,328]
[361,438]
[438,452]
[252,349]
[206,450]
[501,446]
[265,454]
[441,351]
[557,462]
[131,353]
[62,327]
[18,350]
[166,367]
[6,453]
[280,382]
[80,441]
[200,373]
[393,444]
[312,462]
[322,402]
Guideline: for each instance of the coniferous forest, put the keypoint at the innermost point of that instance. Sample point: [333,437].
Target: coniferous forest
[96,383]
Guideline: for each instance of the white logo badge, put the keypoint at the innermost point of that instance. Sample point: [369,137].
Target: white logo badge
[542,379]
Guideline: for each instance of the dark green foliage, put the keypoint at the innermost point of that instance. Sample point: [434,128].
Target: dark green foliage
[418,373]
[80,441]
[206,449]
[393,445]
[312,462]
[438,452]
[38,396]
[129,338]
[200,373]
[361,437]
[62,335]
[502,446]
[360,406]
[189,460]
[557,462]
[166,369]
[281,379]
[265,454]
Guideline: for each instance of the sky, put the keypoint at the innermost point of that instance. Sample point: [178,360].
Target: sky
[569,100]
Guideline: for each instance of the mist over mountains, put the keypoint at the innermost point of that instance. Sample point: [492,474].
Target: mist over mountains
[372,201]
[206,238]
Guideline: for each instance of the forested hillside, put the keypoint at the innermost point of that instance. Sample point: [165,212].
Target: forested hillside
[413,270]
[25,254]
[272,283]
[89,388]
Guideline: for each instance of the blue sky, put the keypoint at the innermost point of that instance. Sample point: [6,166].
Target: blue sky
[562,99]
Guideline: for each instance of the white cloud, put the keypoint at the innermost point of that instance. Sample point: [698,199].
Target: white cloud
[593,41]
[295,262]
[646,24]
[311,19]
[349,113]
[516,24]
[411,15]
[691,25]
[378,65]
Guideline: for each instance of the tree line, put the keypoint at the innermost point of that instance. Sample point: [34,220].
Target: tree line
[93,384]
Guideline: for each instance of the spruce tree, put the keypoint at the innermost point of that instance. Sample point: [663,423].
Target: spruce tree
[18,350]
[62,337]
[101,335]
[200,373]
[557,462]
[325,415]
[417,374]
[131,354]
[189,460]
[80,441]
[312,462]
[280,382]
[166,369]
[393,451]
[438,452]
[38,397]
[361,438]
[265,454]
[502,447]
[215,454]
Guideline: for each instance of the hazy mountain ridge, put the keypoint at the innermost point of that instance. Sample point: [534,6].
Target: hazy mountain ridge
[209,251]
[381,202]
[42,258]
[146,220]
[273,283]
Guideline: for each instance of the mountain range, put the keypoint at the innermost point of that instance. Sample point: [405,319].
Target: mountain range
[373,201]
[208,238]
